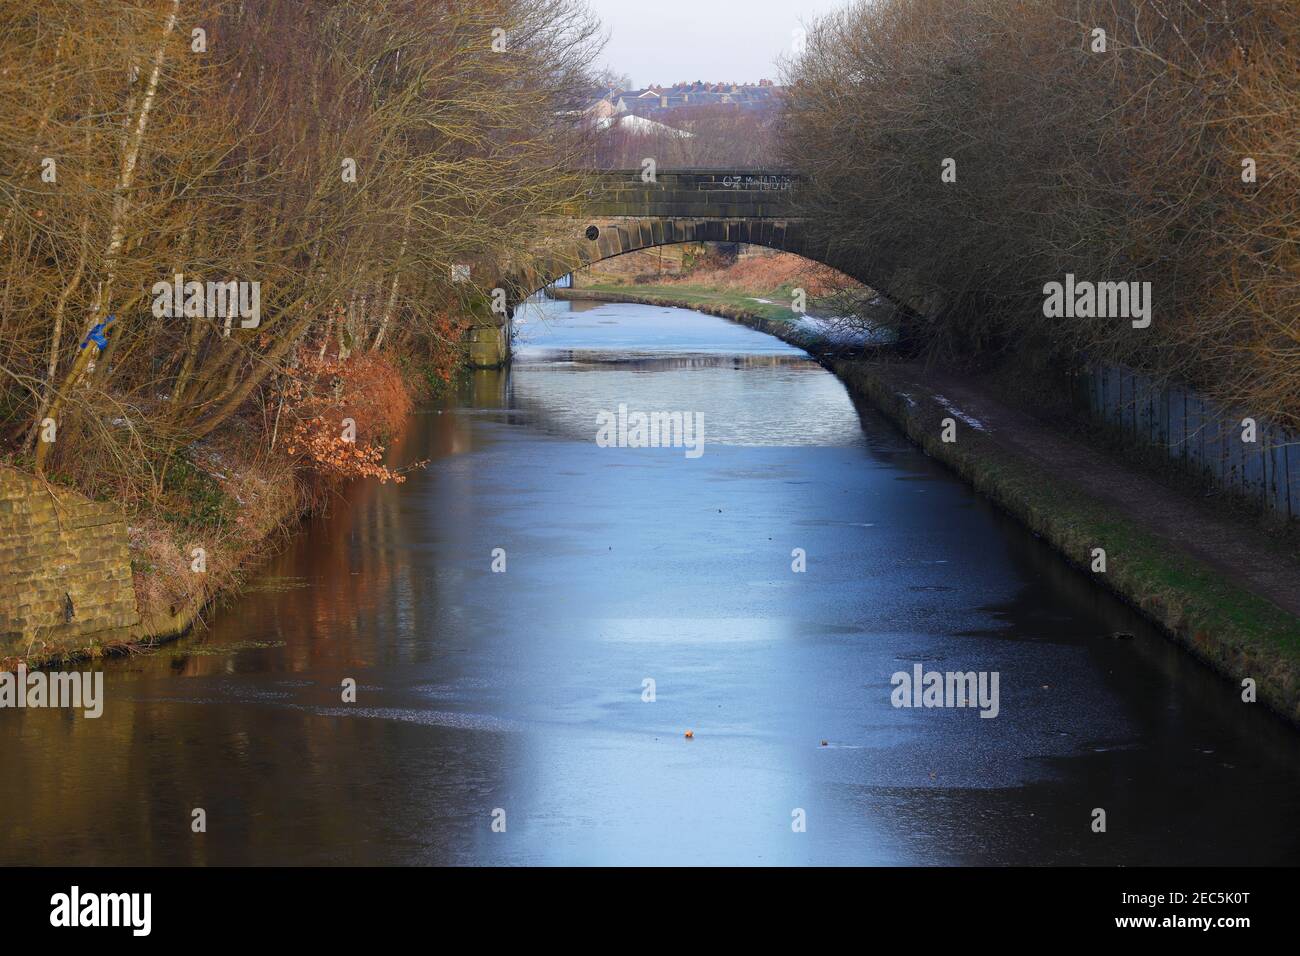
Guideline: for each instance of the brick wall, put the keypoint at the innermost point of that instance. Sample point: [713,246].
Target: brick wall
[65,569]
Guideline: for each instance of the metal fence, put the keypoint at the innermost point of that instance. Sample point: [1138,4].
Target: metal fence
[1208,441]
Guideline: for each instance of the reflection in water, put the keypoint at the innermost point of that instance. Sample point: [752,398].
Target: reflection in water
[523,690]
[564,391]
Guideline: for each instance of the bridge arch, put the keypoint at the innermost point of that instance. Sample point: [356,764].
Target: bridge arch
[628,211]
[607,239]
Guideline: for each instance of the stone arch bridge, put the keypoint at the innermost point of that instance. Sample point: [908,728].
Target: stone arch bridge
[623,212]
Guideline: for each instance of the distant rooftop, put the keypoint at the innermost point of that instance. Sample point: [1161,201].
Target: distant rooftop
[685,95]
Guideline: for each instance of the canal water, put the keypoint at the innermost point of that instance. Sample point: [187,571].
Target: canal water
[647,593]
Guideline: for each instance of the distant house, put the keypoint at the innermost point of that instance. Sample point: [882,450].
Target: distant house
[655,102]
[653,99]
[631,122]
[639,124]
[629,100]
[601,113]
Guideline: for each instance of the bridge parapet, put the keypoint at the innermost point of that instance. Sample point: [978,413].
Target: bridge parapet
[693,194]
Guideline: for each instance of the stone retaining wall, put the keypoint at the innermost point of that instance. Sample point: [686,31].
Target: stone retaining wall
[65,569]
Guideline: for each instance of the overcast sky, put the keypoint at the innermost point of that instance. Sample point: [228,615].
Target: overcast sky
[664,41]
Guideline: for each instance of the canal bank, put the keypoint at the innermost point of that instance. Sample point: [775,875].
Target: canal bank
[84,579]
[1225,592]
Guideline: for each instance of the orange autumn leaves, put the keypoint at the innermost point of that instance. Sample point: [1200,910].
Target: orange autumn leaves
[340,412]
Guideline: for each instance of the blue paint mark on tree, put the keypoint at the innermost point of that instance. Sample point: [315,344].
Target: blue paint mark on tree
[98,335]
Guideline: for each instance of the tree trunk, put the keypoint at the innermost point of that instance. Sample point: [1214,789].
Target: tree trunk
[392,289]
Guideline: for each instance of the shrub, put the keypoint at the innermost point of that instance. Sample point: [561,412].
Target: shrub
[323,394]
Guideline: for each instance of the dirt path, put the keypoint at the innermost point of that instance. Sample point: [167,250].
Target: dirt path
[1235,549]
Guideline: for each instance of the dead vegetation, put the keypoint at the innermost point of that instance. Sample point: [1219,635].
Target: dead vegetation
[766,273]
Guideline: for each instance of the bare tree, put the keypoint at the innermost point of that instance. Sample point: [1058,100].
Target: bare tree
[1115,156]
